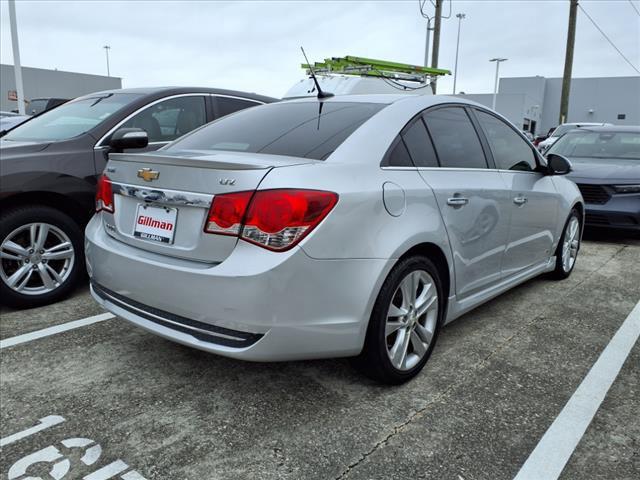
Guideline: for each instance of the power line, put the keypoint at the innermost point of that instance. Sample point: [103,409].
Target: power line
[608,39]
[425,15]
[634,7]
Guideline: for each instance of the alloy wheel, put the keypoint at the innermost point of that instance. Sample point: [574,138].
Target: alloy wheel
[36,258]
[570,244]
[411,320]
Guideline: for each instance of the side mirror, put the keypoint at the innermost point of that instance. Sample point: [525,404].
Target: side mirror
[557,164]
[125,138]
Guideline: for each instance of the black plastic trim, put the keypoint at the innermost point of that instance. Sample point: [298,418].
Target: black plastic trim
[245,339]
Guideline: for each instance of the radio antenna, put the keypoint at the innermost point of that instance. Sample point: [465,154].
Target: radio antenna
[321,94]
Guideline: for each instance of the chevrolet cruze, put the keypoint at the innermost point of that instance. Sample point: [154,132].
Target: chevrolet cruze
[352,226]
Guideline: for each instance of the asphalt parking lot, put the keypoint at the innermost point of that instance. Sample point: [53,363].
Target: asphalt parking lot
[498,378]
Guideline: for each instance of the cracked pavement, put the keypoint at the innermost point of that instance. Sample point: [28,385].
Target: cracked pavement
[497,379]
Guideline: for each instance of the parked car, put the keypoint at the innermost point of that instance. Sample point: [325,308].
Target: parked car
[39,105]
[539,138]
[49,168]
[528,135]
[8,120]
[606,168]
[334,228]
[560,130]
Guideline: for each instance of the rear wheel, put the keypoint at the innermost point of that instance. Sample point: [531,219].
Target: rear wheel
[568,247]
[41,256]
[405,322]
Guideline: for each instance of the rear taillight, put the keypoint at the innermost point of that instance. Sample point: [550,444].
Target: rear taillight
[226,213]
[104,195]
[273,219]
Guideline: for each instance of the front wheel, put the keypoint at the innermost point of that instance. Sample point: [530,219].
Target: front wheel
[41,257]
[405,322]
[568,247]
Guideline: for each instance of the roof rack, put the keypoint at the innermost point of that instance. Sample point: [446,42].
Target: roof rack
[370,67]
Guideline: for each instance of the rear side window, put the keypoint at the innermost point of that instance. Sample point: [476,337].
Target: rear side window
[419,145]
[510,151]
[454,138]
[300,129]
[227,105]
[398,156]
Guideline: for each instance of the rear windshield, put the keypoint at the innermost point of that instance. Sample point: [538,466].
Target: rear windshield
[588,144]
[298,129]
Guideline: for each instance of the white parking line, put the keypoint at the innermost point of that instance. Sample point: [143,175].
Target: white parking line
[45,332]
[555,448]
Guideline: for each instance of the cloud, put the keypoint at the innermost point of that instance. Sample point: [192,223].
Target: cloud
[255,45]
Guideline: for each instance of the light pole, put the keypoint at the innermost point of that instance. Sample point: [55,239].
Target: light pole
[459,16]
[106,50]
[17,68]
[495,85]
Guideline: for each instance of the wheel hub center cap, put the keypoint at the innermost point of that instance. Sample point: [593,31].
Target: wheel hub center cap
[35,258]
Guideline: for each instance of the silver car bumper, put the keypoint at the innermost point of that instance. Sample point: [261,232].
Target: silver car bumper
[256,305]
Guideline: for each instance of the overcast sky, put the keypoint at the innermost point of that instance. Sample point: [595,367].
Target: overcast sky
[254,46]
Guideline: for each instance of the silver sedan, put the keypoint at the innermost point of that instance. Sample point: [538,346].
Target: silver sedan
[352,226]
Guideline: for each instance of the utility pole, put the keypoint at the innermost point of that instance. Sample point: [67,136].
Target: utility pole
[459,16]
[17,67]
[495,84]
[436,41]
[106,50]
[568,62]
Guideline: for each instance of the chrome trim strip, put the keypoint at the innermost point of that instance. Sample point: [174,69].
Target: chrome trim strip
[116,301]
[162,195]
[236,97]
[399,168]
[421,169]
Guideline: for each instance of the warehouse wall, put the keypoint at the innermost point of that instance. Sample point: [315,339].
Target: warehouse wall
[39,82]
[601,100]
[594,100]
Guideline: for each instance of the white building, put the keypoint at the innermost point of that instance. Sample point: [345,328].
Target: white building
[533,103]
[43,83]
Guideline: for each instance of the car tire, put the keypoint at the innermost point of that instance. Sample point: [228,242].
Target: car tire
[381,358]
[569,244]
[42,247]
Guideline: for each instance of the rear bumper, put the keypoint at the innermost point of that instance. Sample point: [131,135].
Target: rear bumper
[620,212]
[256,305]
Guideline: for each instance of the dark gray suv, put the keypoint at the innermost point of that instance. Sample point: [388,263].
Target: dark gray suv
[48,172]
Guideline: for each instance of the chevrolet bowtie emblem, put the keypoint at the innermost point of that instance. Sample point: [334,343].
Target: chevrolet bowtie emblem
[148,175]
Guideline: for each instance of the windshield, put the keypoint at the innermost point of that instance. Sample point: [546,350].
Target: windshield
[36,106]
[298,129]
[586,144]
[562,129]
[71,119]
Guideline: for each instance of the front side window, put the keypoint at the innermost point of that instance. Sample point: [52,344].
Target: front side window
[510,151]
[227,105]
[299,129]
[454,138]
[167,120]
[71,119]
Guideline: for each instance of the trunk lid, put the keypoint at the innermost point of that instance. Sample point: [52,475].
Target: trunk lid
[162,201]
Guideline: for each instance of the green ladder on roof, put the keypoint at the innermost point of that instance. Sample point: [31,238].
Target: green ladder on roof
[370,67]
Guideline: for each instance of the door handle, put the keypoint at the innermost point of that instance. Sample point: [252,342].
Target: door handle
[520,200]
[457,201]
